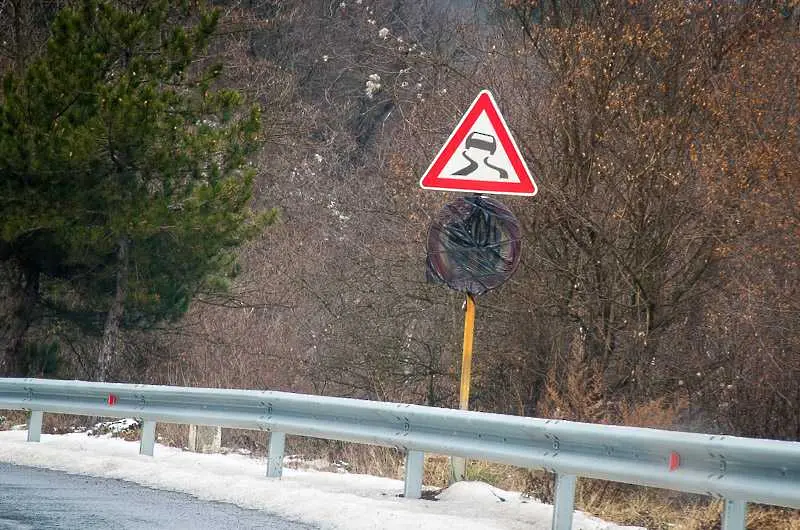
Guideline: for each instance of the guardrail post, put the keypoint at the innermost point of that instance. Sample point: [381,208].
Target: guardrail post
[205,438]
[458,469]
[148,439]
[277,444]
[734,515]
[564,503]
[35,426]
[415,467]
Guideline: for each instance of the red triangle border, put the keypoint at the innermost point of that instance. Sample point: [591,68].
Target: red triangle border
[432,180]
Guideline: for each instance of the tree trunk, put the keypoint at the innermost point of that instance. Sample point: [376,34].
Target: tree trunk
[22,297]
[20,24]
[114,318]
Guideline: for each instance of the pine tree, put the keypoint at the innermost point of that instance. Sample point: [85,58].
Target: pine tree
[125,176]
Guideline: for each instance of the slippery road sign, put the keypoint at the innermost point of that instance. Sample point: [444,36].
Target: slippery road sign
[480,156]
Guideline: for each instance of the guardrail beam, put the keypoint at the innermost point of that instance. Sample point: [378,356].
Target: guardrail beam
[35,426]
[277,445]
[415,468]
[734,515]
[728,467]
[564,503]
[148,439]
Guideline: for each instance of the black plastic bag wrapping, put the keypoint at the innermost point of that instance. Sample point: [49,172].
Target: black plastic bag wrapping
[473,245]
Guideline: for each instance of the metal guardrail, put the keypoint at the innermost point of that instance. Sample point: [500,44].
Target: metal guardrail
[738,470]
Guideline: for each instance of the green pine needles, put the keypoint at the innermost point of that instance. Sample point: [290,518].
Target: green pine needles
[124,177]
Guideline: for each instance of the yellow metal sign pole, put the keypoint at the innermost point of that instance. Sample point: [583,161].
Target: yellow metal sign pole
[466,357]
[458,466]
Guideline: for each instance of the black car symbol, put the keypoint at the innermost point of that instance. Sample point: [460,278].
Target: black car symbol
[484,142]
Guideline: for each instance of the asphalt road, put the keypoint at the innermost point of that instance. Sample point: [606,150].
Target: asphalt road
[32,498]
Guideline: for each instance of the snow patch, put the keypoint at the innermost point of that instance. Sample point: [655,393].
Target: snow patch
[330,500]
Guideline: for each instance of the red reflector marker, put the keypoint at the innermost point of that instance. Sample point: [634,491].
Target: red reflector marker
[674,461]
[112,400]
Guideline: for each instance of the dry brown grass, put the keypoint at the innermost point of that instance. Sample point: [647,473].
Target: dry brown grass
[509,478]
[351,457]
[66,423]
[769,517]
[582,397]
[706,516]
[172,434]
[11,418]
[658,509]
[625,504]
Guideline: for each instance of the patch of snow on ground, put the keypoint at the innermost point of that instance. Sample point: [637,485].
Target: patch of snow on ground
[113,427]
[330,500]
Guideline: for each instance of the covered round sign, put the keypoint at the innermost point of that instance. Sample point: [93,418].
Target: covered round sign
[473,245]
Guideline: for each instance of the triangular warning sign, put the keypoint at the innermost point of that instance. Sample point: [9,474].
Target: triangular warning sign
[480,156]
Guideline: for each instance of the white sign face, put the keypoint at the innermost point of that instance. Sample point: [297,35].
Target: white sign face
[480,156]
